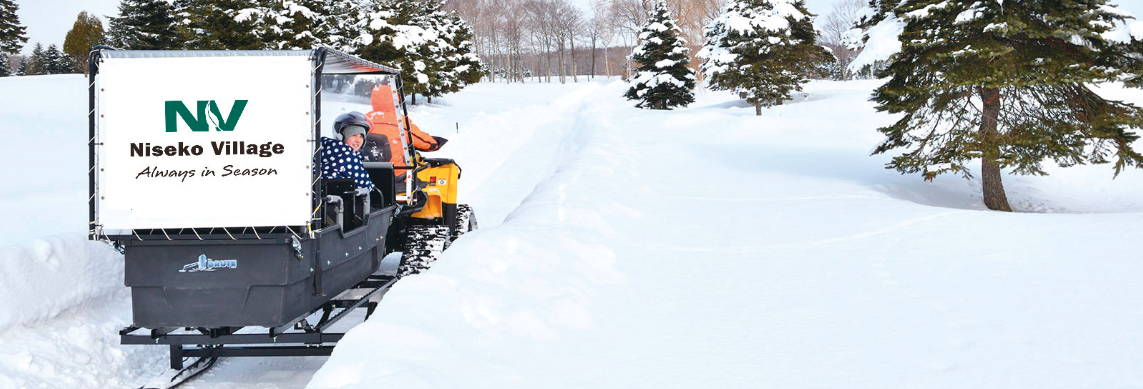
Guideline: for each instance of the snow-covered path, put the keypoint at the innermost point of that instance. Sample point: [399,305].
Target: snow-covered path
[710,248]
[703,247]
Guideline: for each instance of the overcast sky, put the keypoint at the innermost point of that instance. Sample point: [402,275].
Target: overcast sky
[48,21]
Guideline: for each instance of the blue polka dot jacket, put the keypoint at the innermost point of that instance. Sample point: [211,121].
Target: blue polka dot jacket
[338,160]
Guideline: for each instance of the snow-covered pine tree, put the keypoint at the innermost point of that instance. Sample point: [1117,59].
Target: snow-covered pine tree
[36,62]
[875,19]
[217,25]
[761,48]
[1007,83]
[143,25]
[5,69]
[662,79]
[56,62]
[408,35]
[22,70]
[466,64]
[12,34]
[386,39]
[289,24]
[442,77]
[344,25]
[453,64]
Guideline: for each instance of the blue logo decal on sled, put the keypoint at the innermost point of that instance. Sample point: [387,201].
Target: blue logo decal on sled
[207,264]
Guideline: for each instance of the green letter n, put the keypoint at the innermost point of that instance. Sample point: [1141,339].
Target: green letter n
[195,122]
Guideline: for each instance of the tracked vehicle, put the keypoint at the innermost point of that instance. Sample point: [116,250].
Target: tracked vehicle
[204,172]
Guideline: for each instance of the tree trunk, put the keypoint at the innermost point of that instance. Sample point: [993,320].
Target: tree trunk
[548,63]
[560,49]
[592,76]
[758,109]
[573,67]
[994,197]
[606,63]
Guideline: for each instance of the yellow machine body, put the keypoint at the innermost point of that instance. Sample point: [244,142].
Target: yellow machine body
[441,189]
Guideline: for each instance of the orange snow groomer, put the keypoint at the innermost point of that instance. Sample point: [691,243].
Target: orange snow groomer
[386,122]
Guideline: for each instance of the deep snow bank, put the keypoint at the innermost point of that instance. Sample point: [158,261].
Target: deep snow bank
[62,299]
[708,247]
[62,303]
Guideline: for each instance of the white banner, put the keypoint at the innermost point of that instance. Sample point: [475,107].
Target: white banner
[204,142]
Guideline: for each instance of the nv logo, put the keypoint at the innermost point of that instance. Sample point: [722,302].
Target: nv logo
[201,121]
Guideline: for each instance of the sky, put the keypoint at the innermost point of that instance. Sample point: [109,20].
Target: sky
[48,21]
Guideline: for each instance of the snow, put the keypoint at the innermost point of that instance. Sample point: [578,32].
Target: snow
[923,12]
[814,267]
[619,247]
[882,43]
[1125,31]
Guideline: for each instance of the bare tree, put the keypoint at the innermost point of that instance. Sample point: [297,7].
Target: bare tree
[570,24]
[514,28]
[602,30]
[840,21]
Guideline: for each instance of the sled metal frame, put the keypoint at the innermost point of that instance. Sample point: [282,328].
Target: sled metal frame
[313,340]
[326,61]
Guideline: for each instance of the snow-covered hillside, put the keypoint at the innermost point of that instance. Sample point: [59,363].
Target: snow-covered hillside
[702,247]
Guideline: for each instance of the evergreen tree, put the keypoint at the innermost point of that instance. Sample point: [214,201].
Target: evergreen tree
[289,24]
[12,38]
[180,12]
[452,64]
[143,25]
[1007,82]
[87,32]
[402,35]
[466,64]
[662,79]
[217,25]
[345,25]
[5,68]
[56,62]
[23,69]
[763,49]
[36,63]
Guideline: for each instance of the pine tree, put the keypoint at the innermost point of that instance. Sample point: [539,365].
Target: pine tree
[451,63]
[289,24]
[663,79]
[763,49]
[1007,82]
[12,34]
[23,69]
[345,25]
[5,68]
[217,25]
[143,25]
[877,12]
[36,64]
[466,64]
[87,32]
[56,62]
[401,34]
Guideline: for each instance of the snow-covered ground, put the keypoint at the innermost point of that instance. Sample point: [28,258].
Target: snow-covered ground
[702,247]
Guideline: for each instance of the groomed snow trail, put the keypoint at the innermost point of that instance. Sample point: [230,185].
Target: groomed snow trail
[534,143]
[707,247]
